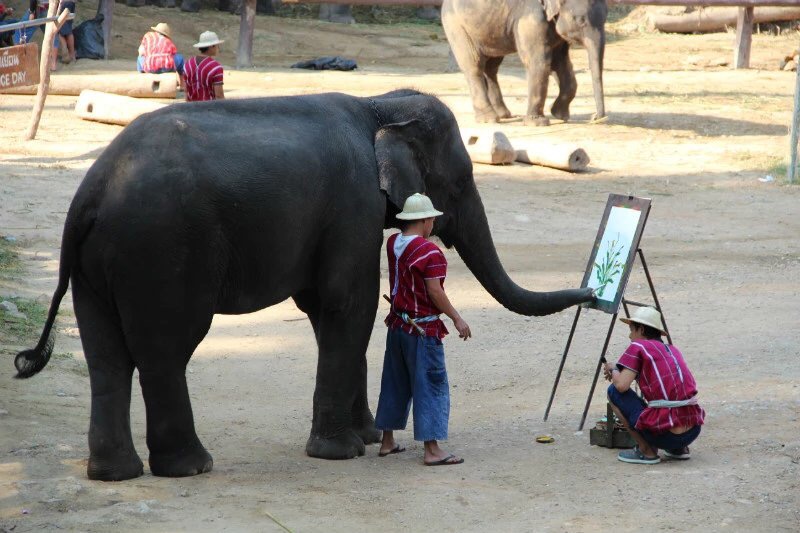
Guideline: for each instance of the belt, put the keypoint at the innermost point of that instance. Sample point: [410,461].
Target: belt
[668,404]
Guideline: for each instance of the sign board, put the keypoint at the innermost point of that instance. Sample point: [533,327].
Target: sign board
[19,65]
[615,250]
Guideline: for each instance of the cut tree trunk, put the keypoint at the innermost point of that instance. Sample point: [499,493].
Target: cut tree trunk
[490,148]
[561,156]
[138,85]
[244,56]
[112,108]
[717,19]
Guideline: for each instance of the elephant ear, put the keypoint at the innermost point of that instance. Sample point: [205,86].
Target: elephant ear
[401,165]
[551,8]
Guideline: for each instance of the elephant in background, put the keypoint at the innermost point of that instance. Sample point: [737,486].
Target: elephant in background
[482,32]
[256,201]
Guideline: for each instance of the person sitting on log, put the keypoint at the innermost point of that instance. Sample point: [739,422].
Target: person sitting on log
[65,33]
[671,418]
[157,52]
[203,75]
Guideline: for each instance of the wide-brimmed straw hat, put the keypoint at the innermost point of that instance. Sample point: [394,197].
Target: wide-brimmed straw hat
[163,29]
[647,316]
[417,207]
[207,40]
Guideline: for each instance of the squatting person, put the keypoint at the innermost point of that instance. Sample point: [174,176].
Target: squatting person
[413,365]
[671,417]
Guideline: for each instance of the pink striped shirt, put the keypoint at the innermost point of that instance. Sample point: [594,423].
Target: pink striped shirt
[201,73]
[158,52]
[420,260]
[662,375]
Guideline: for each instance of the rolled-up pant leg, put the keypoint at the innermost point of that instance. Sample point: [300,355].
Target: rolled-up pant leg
[431,390]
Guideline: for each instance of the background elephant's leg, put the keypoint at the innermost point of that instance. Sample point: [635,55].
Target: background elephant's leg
[567,85]
[493,87]
[112,456]
[473,65]
[536,57]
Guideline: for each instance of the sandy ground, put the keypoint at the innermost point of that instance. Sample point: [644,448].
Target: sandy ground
[724,250]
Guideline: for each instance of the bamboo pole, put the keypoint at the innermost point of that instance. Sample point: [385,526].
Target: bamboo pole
[44,67]
[791,172]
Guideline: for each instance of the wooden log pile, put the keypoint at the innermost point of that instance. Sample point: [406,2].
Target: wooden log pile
[710,19]
[112,108]
[495,148]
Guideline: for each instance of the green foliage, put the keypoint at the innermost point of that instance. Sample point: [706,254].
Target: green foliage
[610,267]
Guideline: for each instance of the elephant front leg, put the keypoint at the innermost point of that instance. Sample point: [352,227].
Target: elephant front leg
[567,84]
[473,65]
[537,93]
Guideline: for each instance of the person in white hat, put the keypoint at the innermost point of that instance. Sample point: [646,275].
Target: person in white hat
[157,52]
[667,416]
[202,74]
[413,365]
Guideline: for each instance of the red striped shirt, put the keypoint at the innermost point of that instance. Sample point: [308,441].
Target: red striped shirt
[201,74]
[419,261]
[662,375]
[158,52]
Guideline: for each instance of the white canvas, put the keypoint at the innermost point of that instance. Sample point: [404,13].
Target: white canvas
[612,254]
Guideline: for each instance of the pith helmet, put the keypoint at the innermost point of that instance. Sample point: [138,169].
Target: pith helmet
[417,207]
[207,40]
[647,316]
[163,29]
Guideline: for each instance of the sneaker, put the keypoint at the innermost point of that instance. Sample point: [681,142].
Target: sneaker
[637,457]
[680,453]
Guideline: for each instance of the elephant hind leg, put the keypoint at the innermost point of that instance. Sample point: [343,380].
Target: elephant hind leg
[567,84]
[493,87]
[112,455]
[162,342]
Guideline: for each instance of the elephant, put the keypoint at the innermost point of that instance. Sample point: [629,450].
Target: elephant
[233,206]
[482,32]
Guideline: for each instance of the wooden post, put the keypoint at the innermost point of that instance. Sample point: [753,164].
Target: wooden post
[107,10]
[744,37]
[791,172]
[44,66]
[244,57]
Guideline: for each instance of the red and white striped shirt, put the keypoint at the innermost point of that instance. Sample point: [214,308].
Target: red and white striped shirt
[418,261]
[201,74]
[662,375]
[157,51]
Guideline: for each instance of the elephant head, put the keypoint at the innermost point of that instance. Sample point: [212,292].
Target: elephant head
[583,22]
[419,149]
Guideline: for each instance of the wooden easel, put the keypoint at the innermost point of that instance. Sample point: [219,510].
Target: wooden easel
[625,304]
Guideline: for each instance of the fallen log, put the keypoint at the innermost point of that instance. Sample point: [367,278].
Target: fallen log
[561,156]
[136,85]
[490,148]
[716,19]
[112,108]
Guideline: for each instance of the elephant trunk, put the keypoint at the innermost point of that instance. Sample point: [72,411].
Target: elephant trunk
[473,241]
[595,44]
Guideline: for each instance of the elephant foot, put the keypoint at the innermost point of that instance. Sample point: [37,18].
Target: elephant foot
[182,464]
[128,466]
[344,446]
[487,117]
[503,112]
[368,434]
[561,112]
[596,117]
[536,121]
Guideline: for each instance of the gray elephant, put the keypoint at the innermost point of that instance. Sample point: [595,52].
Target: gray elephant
[232,206]
[483,32]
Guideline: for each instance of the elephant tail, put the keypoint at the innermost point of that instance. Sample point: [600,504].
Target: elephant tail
[30,362]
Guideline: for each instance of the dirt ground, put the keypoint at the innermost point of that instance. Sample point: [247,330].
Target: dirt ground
[723,248]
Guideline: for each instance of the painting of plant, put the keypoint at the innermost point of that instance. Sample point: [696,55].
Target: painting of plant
[611,266]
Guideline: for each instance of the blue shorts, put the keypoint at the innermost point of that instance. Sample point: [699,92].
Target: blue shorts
[413,368]
[631,406]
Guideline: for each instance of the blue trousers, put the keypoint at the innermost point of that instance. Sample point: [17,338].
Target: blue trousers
[178,65]
[413,369]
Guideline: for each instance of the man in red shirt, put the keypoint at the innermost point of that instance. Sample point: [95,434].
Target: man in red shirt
[202,75]
[157,52]
[671,418]
[413,365]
